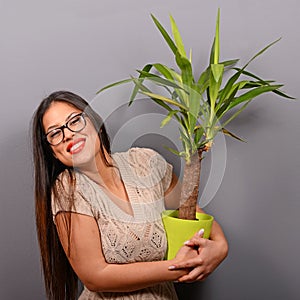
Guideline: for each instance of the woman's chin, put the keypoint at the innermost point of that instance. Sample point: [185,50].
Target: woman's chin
[82,161]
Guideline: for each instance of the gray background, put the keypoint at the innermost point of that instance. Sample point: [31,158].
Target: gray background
[84,45]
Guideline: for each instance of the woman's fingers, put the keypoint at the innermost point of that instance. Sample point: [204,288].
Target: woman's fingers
[194,275]
[198,235]
[190,263]
[196,241]
[197,265]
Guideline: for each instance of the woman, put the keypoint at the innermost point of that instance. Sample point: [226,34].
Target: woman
[98,214]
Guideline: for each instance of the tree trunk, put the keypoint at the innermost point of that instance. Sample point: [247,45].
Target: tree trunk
[190,187]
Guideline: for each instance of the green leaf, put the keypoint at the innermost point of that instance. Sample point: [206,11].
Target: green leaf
[214,87]
[261,52]
[217,40]
[164,70]
[146,68]
[158,80]
[229,63]
[184,120]
[186,142]
[260,80]
[217,71]
[186,69]
[247,73]
[165,83]
[222,106]
[203,81]
[173,76]
[165,35]
[239,85]
[227,90]
[165,99]
[236,113]
[142,89]
[253,94]
[167,107]
[282,94]
[177,37]
[227,132]
[199,131]
[177,77]
[168,118]
[252,84]
[113,84]
[212,52]
[194,109]
[174,151]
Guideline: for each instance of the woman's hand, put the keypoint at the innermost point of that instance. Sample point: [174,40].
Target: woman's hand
[204,258]
[184,254]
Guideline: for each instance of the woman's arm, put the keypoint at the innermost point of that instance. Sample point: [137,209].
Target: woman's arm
[172,194]
[86,257]
[211,252]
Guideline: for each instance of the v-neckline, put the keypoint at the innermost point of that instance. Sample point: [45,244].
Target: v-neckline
[128,190]
[112,202]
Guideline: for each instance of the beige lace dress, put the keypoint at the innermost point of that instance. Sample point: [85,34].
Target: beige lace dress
[127,238]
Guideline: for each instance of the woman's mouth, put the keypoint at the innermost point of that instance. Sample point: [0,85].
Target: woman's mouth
[76,146]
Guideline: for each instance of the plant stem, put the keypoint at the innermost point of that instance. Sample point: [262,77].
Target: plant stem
[190,187]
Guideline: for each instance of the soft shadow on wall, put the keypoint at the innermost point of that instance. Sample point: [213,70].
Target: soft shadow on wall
[20,269]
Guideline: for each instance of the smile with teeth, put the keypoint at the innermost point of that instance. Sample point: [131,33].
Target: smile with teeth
[76,146]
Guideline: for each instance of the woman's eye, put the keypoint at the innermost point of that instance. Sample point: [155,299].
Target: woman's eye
[54,134]
[75,121]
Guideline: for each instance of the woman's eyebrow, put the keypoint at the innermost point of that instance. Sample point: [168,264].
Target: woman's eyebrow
[66,120]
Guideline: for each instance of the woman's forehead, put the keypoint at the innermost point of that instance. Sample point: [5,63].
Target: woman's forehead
[58,113]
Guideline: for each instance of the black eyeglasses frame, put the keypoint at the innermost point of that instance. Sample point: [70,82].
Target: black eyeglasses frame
[82,115]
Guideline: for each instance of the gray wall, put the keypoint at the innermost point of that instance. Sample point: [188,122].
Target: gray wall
[84,45]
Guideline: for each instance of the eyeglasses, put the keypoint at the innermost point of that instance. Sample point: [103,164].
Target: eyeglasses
[75,124]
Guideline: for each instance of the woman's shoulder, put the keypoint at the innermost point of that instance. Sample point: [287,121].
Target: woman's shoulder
[138,153]
[143,160]
[74,184]
[68,178]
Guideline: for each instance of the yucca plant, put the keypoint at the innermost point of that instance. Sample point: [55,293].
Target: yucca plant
[202,106]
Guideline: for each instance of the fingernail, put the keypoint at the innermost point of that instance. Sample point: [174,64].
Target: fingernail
[186,242]
[171,267]
[201,231]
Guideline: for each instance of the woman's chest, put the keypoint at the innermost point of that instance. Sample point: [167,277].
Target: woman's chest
[132,242]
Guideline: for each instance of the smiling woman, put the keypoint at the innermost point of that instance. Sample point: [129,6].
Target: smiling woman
[76,136]
[98,214]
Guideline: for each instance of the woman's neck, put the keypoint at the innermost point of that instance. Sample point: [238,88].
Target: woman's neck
[109,178]
[102,173]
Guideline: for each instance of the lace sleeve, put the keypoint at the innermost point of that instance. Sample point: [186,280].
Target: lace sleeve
[158,166]
[68,195]
[165,170]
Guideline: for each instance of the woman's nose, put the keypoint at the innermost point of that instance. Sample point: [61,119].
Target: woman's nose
[68,134]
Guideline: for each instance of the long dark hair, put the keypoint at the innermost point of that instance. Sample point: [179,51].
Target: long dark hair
[61,282]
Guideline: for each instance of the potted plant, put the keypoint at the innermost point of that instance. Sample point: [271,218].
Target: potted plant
[202,106]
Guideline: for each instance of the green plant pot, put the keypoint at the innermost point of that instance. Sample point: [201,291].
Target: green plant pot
[178,231]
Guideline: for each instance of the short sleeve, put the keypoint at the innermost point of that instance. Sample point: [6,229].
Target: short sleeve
[165,170]
[151,162]
[70,196]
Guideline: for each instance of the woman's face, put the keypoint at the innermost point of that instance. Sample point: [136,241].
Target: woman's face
[77,149]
